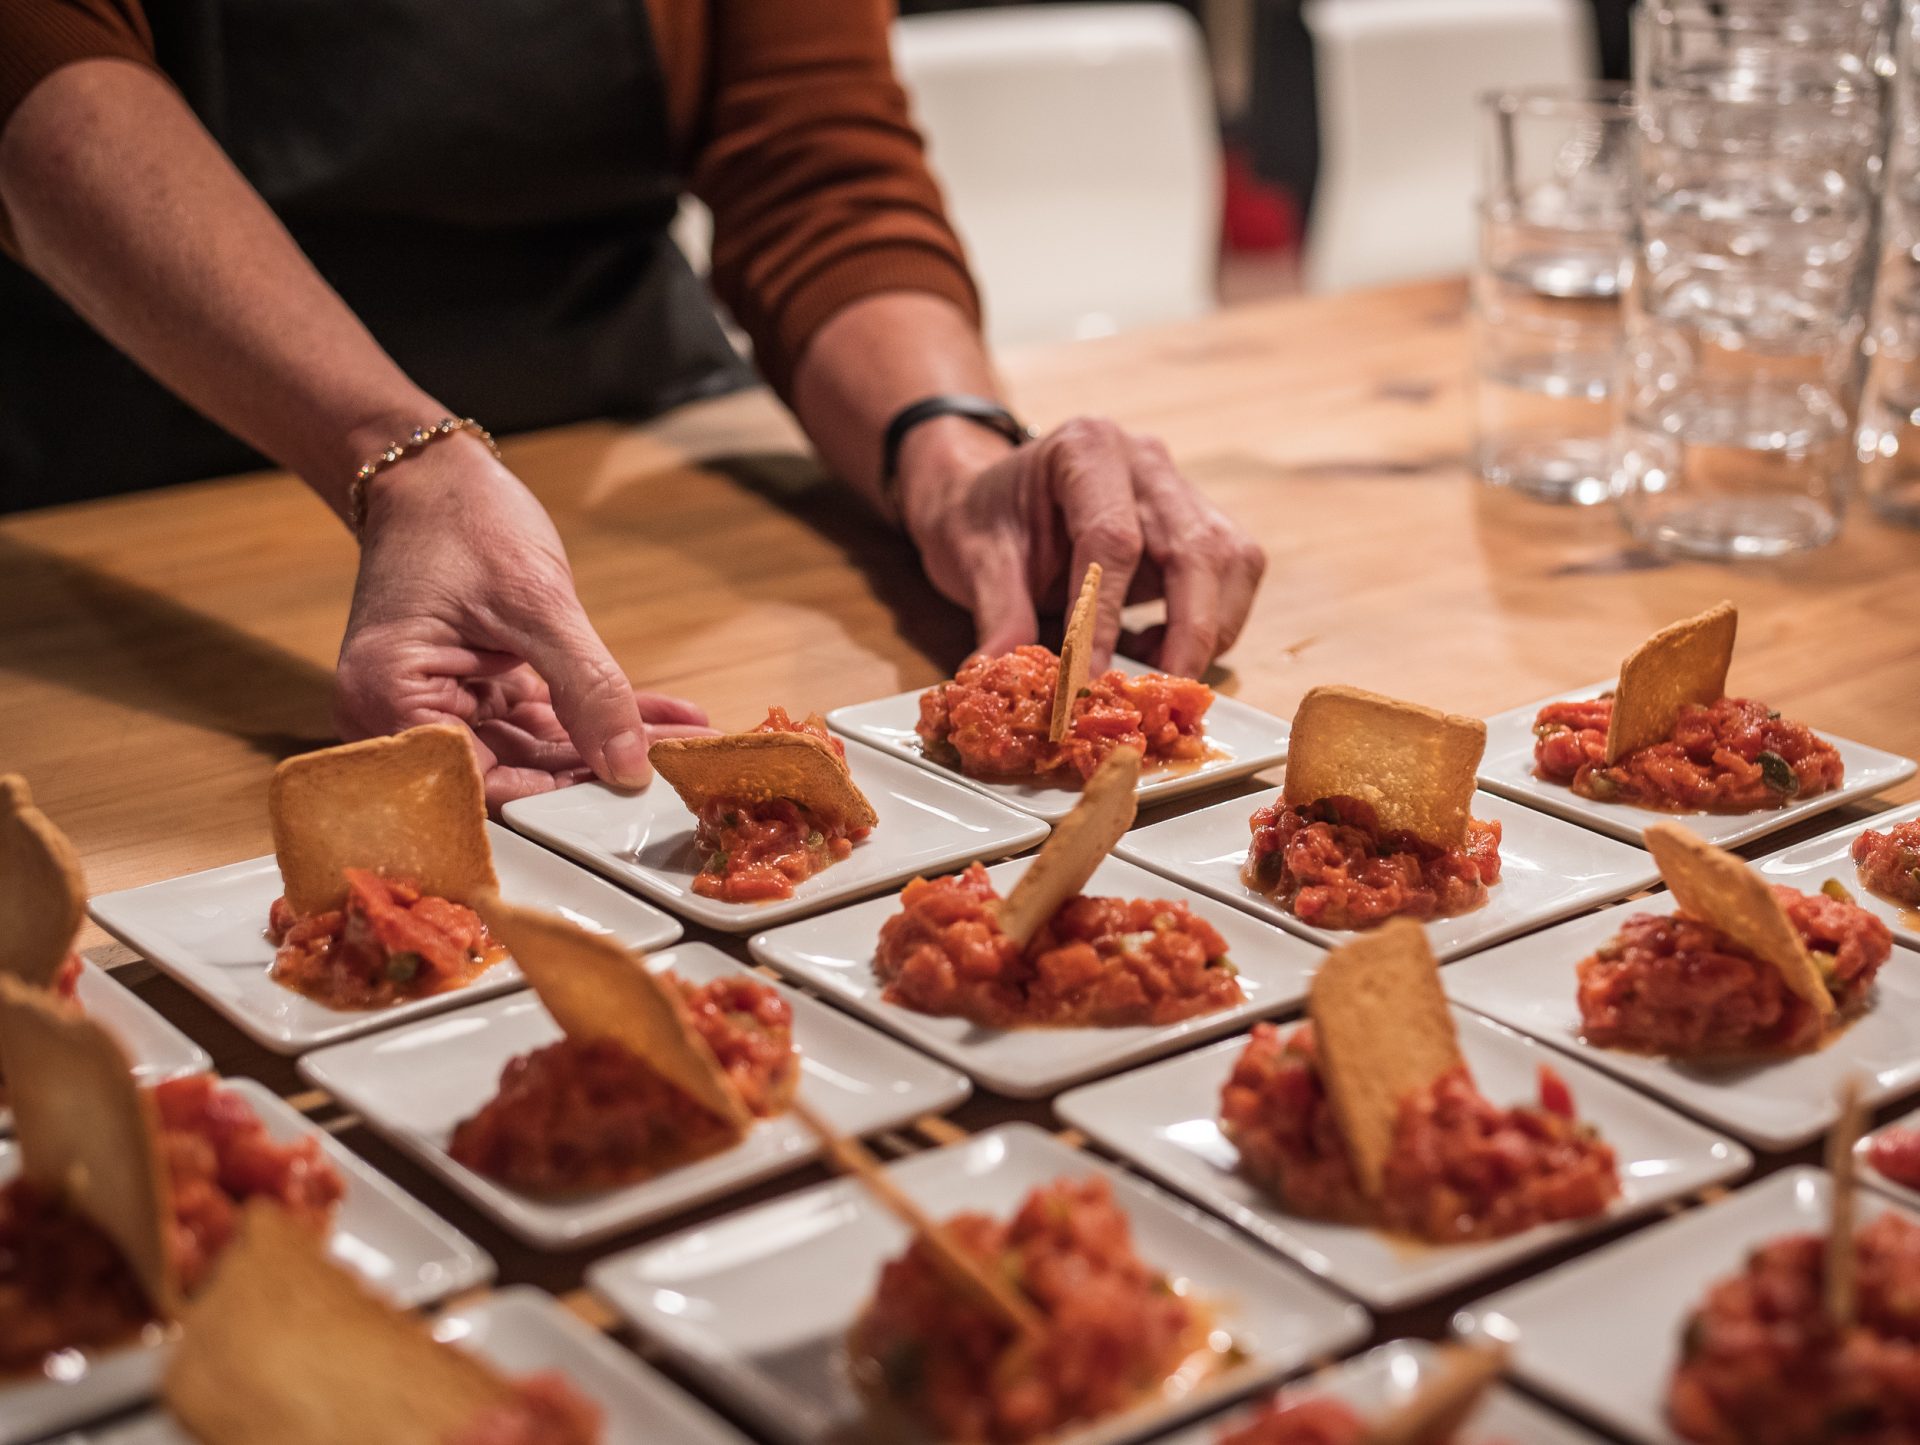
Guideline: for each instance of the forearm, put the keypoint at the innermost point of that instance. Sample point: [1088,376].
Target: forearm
[881,354]
[125,206]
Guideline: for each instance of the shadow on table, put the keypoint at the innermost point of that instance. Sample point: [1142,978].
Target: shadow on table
[77,628]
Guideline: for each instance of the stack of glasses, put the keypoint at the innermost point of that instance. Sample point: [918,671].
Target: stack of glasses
[1753,174]
[1890,417]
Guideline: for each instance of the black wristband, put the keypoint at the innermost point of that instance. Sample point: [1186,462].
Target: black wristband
[976,409]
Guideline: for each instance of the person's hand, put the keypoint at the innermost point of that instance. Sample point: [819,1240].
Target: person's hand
[1002,530]
[464,612]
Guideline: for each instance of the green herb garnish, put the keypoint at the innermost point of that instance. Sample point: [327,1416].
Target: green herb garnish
[404,967]
[1778,774]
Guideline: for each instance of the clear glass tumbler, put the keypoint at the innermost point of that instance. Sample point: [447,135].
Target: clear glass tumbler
[1889,436]
[1555,219]
[1762,136]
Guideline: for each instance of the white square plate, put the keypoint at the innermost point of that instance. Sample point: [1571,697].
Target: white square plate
[523,1331]
[1392,1374]
[1244,739]
[393,1243]
[758,1304]
[834,953]
[1807,865]
[414,1085]
[1602,1333]
[1532,985]
[1548,870]
[209,930]
[1507,767]
[159,1050]
[645,840]
[1874,1176]
[1165,1119]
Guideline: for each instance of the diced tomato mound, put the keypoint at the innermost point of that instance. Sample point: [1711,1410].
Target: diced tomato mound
[1330,865]
[1735,756]
[1461,1168]
[993,719]
[1762,1363]
[64,1284]
[387,944]
[1889,862]
[1896,1154]
[589,1114]
[1099,962]
[219,1157]
[546,1410]
[1670,984]
[754,851]
[1114,1329]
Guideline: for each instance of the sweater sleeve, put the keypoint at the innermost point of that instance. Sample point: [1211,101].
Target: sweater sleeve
[803,149]
[37,37]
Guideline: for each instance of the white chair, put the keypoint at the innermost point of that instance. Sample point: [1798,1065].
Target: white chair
[1079,154]
[1399,83]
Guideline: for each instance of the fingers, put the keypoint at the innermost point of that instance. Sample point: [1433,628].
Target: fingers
[1003,612]
[591,695]
[504,784]
[1211,569]
[657,707]
[1092,482]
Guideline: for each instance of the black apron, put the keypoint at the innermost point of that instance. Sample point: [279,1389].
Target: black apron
[487,184]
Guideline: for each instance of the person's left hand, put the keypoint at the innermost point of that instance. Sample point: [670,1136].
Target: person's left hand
[1001,531]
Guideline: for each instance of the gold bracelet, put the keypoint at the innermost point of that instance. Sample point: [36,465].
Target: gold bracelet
[422,437]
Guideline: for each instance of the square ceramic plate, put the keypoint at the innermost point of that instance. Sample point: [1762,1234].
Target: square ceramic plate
[834,953]
[1507,767]
[158,1049]
[523,1331]
[209,930]
[1807,865]
[414,1085]
[1602,1334]
[1905,1193]
[1165,1119]
[391,1242]
[1244,739]
[758,1304]
[1531,985]
[1548,870]
[1389,1376]
[644,840]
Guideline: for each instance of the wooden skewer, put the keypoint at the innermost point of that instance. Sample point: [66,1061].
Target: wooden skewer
[1842,1256]
[963,1271]
[1440,1407]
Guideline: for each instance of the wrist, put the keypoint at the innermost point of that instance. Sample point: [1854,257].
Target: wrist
[427,485]
[940,456]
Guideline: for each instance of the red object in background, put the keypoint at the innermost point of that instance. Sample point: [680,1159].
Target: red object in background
[1257,215]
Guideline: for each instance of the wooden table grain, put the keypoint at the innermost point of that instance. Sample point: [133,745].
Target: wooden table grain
[159,653]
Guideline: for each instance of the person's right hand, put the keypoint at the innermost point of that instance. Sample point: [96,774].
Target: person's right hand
[464,612]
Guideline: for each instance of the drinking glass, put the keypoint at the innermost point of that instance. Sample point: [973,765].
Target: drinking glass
[1762,133]
[1555,216]
[1889,438]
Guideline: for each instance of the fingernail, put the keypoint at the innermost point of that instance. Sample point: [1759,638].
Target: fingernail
[627,761]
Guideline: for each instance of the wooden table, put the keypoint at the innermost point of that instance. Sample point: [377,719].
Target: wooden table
[159,653]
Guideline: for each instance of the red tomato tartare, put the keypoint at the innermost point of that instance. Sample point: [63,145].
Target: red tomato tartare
[754,851]
[586,1114]
[993,719]
[1098,962]
[1329,864]
[1295,1417]
[1762,1363]
[388,943]
[1461,1168]
[1896,1154]
[1114,1332]
[1889,862]
[1736,756]
[1670,984]
[64,1285]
